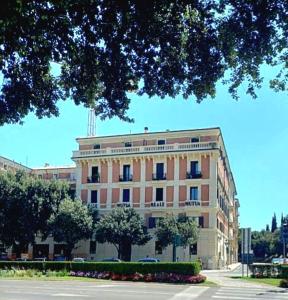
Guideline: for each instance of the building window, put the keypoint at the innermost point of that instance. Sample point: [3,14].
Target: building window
[97,146]
[126,173]
[40,176]
[92,247]
[160,175]
[93,197]
[194,193]
[128,144]
[161,142]
[159,194]
[151,222]
[195,140]
[201,222]
[94,175]
[158,248]
[194,165]
[55,176]
[126,195]
[193,249]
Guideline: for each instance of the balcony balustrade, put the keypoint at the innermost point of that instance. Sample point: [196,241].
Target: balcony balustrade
[145,149]
[93,179]
[195,175]
[158,204]
[95,205]
[124,178]
[159,176]
[123,204]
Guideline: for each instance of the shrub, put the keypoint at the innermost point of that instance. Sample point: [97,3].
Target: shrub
[123,268]
[284,283]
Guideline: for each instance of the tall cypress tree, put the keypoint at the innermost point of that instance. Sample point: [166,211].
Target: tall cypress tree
[274,223]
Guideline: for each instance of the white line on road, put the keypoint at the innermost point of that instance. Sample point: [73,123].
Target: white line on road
[189,293]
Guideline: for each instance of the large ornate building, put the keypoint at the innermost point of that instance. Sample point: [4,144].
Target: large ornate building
[183,172]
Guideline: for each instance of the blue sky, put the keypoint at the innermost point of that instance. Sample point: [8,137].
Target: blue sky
[255,133]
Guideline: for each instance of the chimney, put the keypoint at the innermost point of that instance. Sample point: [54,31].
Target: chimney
[145,129]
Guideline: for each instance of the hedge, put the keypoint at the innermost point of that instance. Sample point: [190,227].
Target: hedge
[125,268]
[268,270]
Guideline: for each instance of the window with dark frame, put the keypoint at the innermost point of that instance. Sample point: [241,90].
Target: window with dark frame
[161,142]
[194,193]
[97,146]
[201,222]
[92,247]
[94,197]
[151,222]
[128,144]
[159,194]
[195,140]
[158,248]
[126,195]
[193,249]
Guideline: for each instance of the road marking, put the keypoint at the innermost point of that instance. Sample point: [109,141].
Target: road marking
[189,293]
[69,295]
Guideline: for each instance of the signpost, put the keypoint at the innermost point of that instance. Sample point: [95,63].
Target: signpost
[284,237]
[245,248]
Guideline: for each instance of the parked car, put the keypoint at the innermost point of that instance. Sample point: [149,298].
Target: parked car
[59,258]
[21,259]
[78,259]
[112,259]
[277,261]
[40,259]
[149,259]
[4,256]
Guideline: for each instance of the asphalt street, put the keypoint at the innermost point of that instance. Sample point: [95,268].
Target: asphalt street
[47,290]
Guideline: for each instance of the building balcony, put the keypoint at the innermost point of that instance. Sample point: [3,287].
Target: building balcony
[159,176]
[158,204]
[194,175]
[93,179]
[145,149]
[123,204]
[95,205]
[125,178]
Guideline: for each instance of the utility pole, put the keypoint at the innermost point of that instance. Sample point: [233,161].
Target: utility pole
[284,237]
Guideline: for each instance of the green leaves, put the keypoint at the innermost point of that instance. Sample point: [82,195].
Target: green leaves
[107,49]
[169,229]
[26,204]
[122,227]
[71,223]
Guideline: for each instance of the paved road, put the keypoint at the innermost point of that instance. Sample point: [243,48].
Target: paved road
[40,290]
[231,289]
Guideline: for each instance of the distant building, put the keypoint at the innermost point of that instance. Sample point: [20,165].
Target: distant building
[10,165]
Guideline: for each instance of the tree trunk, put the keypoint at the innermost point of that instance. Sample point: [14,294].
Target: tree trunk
[126,249]
[69,251]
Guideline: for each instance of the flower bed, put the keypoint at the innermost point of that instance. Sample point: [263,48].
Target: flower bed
[150,277]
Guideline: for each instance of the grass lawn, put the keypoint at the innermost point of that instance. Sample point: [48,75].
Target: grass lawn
[270,281]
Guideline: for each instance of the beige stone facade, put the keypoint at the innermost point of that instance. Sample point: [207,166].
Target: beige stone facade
[172,172]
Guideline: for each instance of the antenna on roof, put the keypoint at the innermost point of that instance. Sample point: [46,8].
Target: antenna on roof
[91,129]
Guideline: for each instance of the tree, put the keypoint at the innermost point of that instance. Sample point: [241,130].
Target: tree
[274,223]
[26,204]
[181,231]
[123,227]
[71,224]
[267,227]
[105,49]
